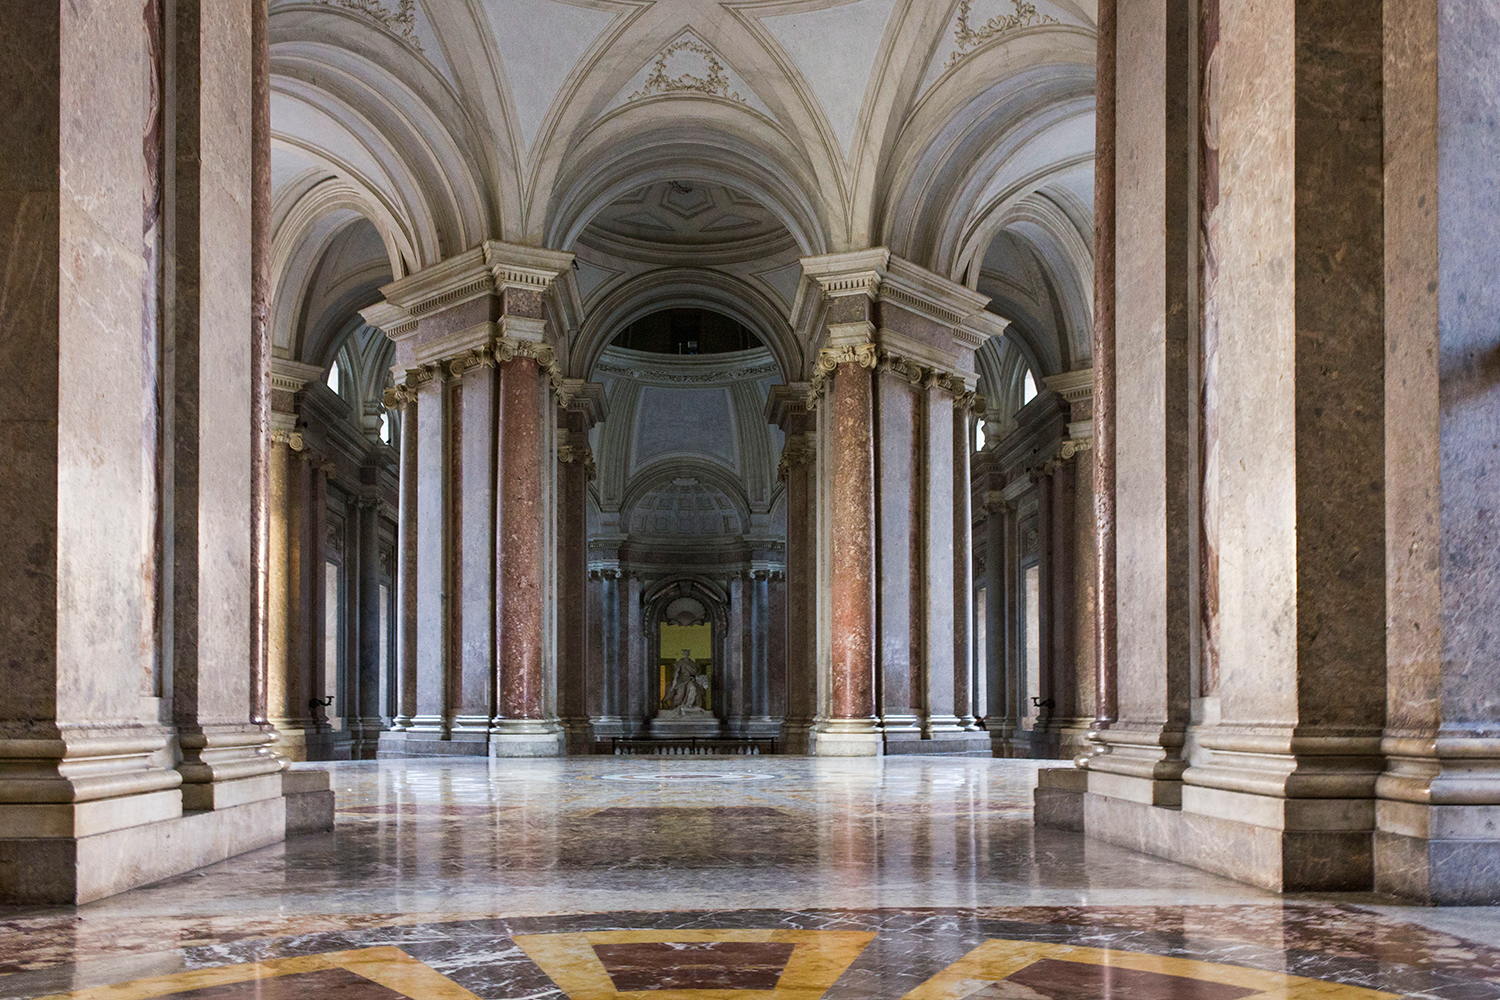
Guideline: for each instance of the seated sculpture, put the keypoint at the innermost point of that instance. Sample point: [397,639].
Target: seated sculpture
[685,695]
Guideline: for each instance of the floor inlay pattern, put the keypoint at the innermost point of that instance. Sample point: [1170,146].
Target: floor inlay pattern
[781,879]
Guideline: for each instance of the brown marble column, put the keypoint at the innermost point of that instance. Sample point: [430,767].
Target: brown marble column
[851,723]
[521,724]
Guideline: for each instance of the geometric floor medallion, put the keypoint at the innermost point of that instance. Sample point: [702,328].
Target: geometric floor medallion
[695,964]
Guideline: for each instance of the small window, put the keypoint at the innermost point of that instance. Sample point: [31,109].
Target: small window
[335,377]
[1028,389]
[385,426]
[979,435]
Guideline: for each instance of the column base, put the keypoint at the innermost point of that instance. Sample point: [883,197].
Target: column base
[526,738]
[796,736]
[847,738]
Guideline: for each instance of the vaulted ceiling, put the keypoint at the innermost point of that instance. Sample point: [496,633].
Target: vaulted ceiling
[690,151]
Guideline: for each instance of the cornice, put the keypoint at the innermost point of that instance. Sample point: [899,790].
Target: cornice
[485,270]
[1074,386]
[859,272]
[292,376]
[701,369]
[928,294]
[514,265]
[587,398]
[785,403]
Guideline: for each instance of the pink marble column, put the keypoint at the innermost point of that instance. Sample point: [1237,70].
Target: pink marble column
[787,408]
[852,458]
[521,728]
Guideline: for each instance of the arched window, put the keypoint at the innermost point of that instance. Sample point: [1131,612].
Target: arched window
[1028,389]
[335,377]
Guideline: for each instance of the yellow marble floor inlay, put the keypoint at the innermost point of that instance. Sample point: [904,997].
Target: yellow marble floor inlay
[818,959]
[996,959]
[388,967]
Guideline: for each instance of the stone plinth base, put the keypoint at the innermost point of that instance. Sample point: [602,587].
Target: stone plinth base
[1445,855]
[956,743]
[72,870]
[686,726]
[1281,860]
[1058,798]
[853,738]
[425,743]
[309,801]
[527,739]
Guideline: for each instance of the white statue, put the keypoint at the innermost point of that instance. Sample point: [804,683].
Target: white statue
[689,686]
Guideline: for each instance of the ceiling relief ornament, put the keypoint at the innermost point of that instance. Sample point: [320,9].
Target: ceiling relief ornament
[401,22]
[968,37]
[710,79]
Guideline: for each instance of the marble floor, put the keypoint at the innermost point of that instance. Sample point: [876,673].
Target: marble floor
[725,879]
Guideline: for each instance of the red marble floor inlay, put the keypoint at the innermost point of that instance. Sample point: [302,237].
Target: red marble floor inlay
[695,965]
[327,984]
[1050,979]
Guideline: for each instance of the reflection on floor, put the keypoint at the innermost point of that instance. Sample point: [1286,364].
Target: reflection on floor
[770,878]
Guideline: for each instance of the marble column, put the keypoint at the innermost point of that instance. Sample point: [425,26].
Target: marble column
[901,598]
[850,726]
[965,622]
[366,708]
[580,683]
[1437,816]
[787,408]
[637,682]
[1142,398]
[473,428]
[102,701]
[407,543]
[939,608]
[472,336]
[760,722]
[1106,609]
[997,626]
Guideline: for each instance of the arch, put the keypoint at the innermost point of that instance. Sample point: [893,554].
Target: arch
[627,150]
[662,471]
[681,287]
[985,119]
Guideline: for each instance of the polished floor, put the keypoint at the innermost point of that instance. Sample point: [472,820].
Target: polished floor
[725,879]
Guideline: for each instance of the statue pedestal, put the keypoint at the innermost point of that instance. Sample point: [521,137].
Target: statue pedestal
[683,723]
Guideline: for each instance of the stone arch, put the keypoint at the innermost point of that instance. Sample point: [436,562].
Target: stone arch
[677,287]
